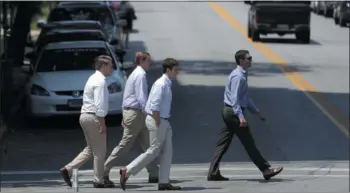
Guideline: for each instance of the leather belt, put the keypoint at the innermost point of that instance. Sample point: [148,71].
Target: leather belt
[90,113]
[226,105]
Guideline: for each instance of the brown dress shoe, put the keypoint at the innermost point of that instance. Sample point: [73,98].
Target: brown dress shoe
[65,175]
[168,187]
[271,172]
[123,178]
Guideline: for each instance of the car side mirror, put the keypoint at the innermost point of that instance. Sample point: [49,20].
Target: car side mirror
[40,23]
[120,53]
[128,65]
[121,22]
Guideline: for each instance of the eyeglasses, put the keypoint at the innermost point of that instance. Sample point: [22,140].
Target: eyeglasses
[249,58]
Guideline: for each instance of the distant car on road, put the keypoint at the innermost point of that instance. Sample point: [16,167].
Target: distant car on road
[341,13]
[94,11]
[279,17]
[324,7]
[59,76]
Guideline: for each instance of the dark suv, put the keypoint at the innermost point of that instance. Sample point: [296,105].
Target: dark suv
[341,13]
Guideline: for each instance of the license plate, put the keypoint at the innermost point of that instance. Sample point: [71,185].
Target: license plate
[283,26]
[75,103]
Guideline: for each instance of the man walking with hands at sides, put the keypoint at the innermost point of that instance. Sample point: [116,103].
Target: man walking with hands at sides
[134,102]
[92,121]
[158,112]
[236,100]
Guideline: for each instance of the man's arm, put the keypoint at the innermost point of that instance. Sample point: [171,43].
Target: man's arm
[101,101]
[141,90]
[155,101]
[237,84]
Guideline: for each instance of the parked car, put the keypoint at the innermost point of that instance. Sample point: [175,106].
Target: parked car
[325,8]
[60,74]
[279,17]
[95,11]
[341,13]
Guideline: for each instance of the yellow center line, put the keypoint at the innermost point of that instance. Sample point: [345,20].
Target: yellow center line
[340,120]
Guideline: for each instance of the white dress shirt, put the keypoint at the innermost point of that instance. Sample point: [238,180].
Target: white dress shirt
[95,97]
[160,97]
[136,90]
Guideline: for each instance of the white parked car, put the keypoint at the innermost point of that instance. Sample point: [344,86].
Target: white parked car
[59,76]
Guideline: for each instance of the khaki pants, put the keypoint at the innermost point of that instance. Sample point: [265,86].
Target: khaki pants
[134,130]
[161,144]
[96,145]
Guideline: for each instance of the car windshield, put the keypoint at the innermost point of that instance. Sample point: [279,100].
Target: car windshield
[69,59]
[100,14]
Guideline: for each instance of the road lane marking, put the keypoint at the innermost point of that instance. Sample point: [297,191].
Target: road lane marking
[309,169]
[340,120]
[203,177]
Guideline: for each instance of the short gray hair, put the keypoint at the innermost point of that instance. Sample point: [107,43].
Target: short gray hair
[101,60]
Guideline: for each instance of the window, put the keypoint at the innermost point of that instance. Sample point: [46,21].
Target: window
[70,59]
[101,14]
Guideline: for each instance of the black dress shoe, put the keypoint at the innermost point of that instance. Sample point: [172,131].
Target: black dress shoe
[108,182]
[216,178]
[100,185]
[168,187]
[65,175]
[271,172]
[153,180]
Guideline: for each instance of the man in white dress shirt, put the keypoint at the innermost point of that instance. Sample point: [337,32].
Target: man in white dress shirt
[134,102]
[158,112]
[92,121]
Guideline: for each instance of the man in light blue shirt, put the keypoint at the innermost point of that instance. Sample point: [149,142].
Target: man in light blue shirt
[236,100]
[134,102]
[158,109]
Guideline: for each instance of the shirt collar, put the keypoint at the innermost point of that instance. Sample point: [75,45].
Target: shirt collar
[141,69]
[100,74]
[241,69]
[167,79]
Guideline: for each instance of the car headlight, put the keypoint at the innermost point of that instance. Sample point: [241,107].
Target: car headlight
[114,87]
[38,90]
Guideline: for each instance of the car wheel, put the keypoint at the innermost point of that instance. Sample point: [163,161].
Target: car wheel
[255,35]
[342,22]
[249,32]
[336,20]
[303,36]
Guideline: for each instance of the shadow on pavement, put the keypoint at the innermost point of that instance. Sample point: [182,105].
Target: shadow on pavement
[283,40]
[273,180]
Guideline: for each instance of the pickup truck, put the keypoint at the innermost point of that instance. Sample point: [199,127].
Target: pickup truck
[279,17]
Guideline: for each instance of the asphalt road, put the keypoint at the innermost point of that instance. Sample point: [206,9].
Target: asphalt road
[303,90]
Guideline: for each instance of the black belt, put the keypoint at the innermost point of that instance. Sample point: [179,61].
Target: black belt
[159,117]
[226,105]
[130,108]
[91,113]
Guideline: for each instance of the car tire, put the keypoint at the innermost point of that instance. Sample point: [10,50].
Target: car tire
[303,36]
[249,32]
[342,22]
[336,20]
[255,35]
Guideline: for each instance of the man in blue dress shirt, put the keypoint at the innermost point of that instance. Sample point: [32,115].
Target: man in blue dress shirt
[134,102]
[158,112]
[236,100]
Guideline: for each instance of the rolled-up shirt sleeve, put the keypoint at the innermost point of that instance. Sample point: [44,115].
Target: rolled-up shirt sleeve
[237,84]
[141,90]
[157,93]
[101,99]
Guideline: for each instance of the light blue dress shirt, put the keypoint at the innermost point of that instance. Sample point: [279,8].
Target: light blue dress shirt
[236,93]
[160,97]
[136,90]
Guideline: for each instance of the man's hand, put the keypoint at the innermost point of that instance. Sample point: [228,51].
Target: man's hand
[243,122]
[261,116]
[103,129]
[122,123]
